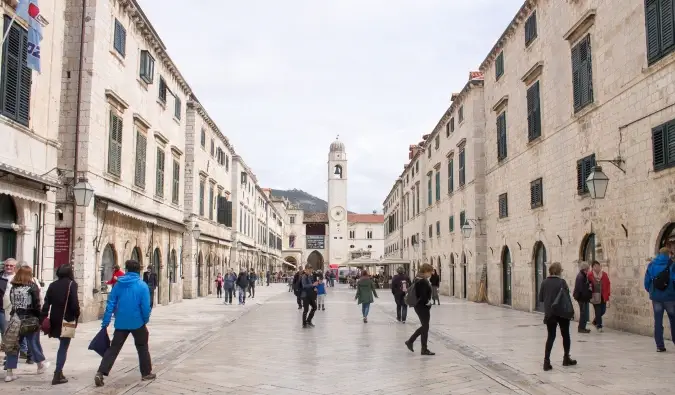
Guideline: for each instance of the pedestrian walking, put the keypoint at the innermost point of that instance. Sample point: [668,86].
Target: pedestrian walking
[25,322]
[600,287]
[435,281]
[117,273]
[321,294]
[229,283]
[219,285]
[308,295]
[130,301]
[242,285]
[365,290]
[297,288]
[554,293]
[660,283]
[150,278]
[252,278]
[419,297]
[399,287]
[61,306]
[582,294]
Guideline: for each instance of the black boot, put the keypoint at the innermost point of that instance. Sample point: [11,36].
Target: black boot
[59,378]
[567,361]
[547,365]
[427,352]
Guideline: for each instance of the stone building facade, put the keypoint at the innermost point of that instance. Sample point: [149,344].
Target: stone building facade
[570,85]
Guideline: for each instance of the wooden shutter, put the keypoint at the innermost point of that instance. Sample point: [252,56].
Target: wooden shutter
[429,195]
[451,223]
[462,175]
[533,112]
[141,154]
[536,193]
[576,77]
[438,185]
[462,219]
[670,144]
[584,168]
[652,30]
[115,145]
[658,147]
[451,176]
[666,25]
[175,190]
[159,184]
[16,76]
[120,38]
[531,28]
[501,136]
[503,206]
[582,73]
[177,110]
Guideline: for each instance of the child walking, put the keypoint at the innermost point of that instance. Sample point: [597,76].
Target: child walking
[321,294]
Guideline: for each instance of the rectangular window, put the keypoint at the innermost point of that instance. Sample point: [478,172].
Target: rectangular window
[451,223]
[211,202]
[502,151]
[120,38]
[429,152]
[437,142]
[291,219]
[462,171]
[460,114]
[162,89]
[584,167]
[159,184]
[663,145]
[582,73]
[531,28]
[418,199]
[452,125]
[533,112]
[115,145]
[429,195]
[202,187]
[227,163]
[147,72]
[16,76]
[203,139]
[431,231]
[462,219]
[447,129]
[175,182]
[438,228]
[213,148]
[499,66]
[503,206]
[451,175]
[438,185]
[369,234]
[536,193]
[177,108]
[141,155]
[660,28]
[352,234]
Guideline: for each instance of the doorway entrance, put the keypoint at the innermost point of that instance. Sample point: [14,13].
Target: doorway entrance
[8,217]
[539,272]
[156,261]
[452,274]
[199,275]
[315,259]
[209,264]
[506,276]
[464,282]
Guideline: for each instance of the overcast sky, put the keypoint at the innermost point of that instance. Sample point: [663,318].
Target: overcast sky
[283,78]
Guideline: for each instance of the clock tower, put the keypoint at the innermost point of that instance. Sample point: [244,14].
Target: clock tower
[338,229]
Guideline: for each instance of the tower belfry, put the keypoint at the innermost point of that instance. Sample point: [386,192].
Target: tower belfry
[338,232]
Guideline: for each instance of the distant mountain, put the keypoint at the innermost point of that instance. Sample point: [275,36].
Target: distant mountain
[307,202]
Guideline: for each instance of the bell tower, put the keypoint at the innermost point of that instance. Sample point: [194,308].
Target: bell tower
[338,229]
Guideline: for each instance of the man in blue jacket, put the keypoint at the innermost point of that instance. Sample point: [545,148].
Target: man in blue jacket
[129,300]
[662,299]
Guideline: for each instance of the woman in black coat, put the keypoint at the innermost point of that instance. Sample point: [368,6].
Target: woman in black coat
[55,310]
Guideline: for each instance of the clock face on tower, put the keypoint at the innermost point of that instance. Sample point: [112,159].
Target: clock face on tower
[337,213]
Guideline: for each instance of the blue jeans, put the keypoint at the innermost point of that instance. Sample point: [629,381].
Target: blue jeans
[62,353]
[365,309]
[600,310]
[3,323]
[242,295]
[33,343]
[659,308]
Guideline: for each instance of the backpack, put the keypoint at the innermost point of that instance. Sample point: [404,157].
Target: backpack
[662,280]
[411,296]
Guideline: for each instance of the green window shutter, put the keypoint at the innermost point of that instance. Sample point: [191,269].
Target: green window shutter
[177,109]
[533,112]
[438,185]
[582,73]
[120,38]
[667,32]
[503,205]
[16,76]
[175,188]
[462,219]
[452,223]
[438,228]
[584,168]
[429,195]
[211,202]
[652,30]
[501,137]
[499,65]
[201,199]
[141,153]
[576,77]
[531,28]
[451,175]
[670,144]
[115,145]
[536,193]
[658,147]
[462,175]
[159,184]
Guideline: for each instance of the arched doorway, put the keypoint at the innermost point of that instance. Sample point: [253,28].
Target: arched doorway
[173,269]
[539,272]
[315,259]
[452,274]
[199,275]
[156,268]
[506,276]
[8,216]
[464,275]
[107,262]
[588,249]
[667,238]
[292,261]
[136,255]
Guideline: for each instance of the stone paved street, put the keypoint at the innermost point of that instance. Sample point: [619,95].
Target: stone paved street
[481,349]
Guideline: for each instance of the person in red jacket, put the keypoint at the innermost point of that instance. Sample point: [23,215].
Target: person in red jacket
[117,273]
[600,288]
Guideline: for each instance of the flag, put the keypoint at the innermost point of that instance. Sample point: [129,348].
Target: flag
[30,12]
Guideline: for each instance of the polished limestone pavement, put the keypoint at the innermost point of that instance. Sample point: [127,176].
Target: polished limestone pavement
[202,347]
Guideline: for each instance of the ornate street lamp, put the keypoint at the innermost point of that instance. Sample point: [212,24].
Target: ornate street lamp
[597,183]
[196,232]
[83,192]
[466,229]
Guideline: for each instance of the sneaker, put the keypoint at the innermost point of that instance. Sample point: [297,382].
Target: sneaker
[309,324]
[600,330]
[10,377]
[582,330]
[149,377]
[365,320]
[98,380]
[660,349]
[42,367]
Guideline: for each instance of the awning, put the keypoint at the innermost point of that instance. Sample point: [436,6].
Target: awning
[21,192]
[394,261]
[26,175]
[289,264]
[363,261]
[127,212]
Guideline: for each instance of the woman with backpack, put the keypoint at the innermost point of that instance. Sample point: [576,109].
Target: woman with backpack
[600,286]
[365,290]
[419,297]
[399,287]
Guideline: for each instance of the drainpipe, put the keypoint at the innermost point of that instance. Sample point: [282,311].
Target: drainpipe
[77,121]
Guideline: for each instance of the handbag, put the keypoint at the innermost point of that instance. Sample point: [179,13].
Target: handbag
[29,325]
[562,305]
[68,327]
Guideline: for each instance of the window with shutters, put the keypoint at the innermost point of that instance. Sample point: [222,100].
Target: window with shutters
[431,231]
[227,213]
[120,38]
[536,193]
[452,125]
[584,168]
[451,175]
[660,29]
[531,28]
[429,194]
[202,188]
[147,71]
[213,148]
[451,223]
[437,142]
[462,219]
[177,108]
[462,170]
[438,185]
[447,129]
[203,139]
[211,202]
[175,182]
[115,145]
[162,89]
[159,182]
[227,163]
[460,114]
[502,151]
[438,228]
[533,112]
[503,205]
[499,66]
[141,157]
[582,73]
[429,152]
[663,146]
[352,234]
[16,81]
[369,234]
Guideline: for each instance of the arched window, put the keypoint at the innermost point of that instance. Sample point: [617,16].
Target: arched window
[588,252]
[173,267]
[8,216]
[136,255]
[108,260]
[337,171]
[668,238]
[539,271]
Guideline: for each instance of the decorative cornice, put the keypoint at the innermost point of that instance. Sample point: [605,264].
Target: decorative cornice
[461,143]
[138,118]
[533,73]
[176,150]
[524,10]
[450,153]
[162,138]
[193,103]
[437,166]
[116,100]
[203,174]
[581,27]
[247,170]
[501,103]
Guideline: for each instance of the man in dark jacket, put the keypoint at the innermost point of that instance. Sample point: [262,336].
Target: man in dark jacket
[582,294]
[297,288]
[252,278]
[663,299]
[150,278]
[422,308]
[399,286]
[242,284]
[308,295]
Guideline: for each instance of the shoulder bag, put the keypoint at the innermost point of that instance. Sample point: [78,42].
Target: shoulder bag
[68,327]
